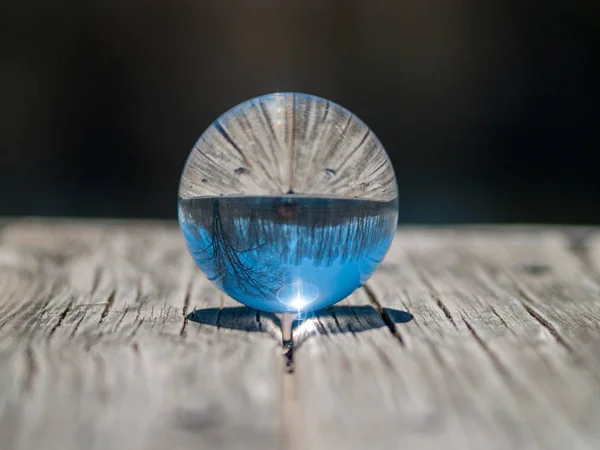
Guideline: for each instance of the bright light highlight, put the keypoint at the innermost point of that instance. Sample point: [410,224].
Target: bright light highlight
[298,303]
[298,295]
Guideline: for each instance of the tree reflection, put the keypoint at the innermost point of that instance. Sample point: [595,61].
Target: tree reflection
[254,246]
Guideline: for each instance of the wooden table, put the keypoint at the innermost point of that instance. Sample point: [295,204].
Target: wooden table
[479,337]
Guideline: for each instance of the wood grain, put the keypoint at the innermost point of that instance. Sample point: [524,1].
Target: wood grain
[480,337]
[97,352]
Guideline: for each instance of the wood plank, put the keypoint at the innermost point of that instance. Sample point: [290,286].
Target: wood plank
[465,338]
[96,351]
[474,368]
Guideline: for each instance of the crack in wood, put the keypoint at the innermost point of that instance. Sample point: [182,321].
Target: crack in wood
[493,357]
[445,310]
[288,354]
[502,320]
[331,311]
[258,322]
[60,319]
[184,326]
[220,311]
[434,294]
[76,327]
[118,324]
[218,319]
[524,300]
[287,340]
[354,314]
[186,305]
[109,302]
[138,313]
[137,327]
[387,320]
[324,332]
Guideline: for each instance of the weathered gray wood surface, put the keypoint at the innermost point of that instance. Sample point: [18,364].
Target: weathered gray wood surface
[98,350]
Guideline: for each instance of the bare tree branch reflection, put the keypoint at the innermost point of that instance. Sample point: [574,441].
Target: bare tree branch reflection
[247,240]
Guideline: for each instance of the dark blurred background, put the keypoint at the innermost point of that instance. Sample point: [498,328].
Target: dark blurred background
[489,109]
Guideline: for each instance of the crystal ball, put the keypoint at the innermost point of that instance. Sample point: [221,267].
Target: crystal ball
[288,203]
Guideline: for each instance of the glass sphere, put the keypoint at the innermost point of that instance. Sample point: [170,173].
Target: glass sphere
[288,203]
